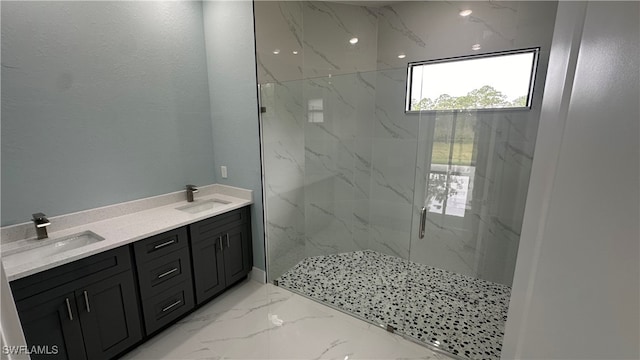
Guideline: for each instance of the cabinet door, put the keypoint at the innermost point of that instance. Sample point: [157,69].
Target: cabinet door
[237,253]
[208,267]
[51,324]
[109,316]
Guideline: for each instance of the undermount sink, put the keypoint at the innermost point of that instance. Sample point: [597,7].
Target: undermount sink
[204,205]
[30,250]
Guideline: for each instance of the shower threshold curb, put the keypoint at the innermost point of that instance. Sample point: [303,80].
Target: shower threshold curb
[429,346]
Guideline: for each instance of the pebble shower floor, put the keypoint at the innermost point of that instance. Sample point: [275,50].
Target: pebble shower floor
[458,314]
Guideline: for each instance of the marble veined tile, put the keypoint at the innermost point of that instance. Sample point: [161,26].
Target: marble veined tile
[327,28]
[279,26]
[256,321]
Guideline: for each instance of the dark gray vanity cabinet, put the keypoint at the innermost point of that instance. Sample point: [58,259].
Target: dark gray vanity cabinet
[208,268]
[238,259]
[164,277]
[109,316]
[47,321]
[221,252]
[95,308]
[87,309]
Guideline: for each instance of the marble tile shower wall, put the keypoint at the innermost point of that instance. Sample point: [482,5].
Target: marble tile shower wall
[485,241]
[393,166]
[336,182]
[279,34]
[308,39]
[341,156]
[320,169]
[283,127]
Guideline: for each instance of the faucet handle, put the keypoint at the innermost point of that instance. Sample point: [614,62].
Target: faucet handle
[192,188]
[40,220]
[39,216]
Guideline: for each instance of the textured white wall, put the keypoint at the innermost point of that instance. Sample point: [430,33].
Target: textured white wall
[102,102]
[576,286]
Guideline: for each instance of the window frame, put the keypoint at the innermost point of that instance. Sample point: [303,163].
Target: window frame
[532,78]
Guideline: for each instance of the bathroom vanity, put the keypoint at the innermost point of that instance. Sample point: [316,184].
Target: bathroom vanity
[100,305]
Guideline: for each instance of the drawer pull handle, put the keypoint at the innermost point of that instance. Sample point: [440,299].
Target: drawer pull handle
[164,244]
[167,273]
[226,239]
[219,242]
[69,309]
[86,301]
[172,305]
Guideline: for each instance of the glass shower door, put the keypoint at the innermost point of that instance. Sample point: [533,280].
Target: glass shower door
[339,157]
[460,263]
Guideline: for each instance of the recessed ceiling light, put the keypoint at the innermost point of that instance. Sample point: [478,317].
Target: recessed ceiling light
[353,41]
[295,52]
[276,51]
[476,47]
[466,12]
[402,56]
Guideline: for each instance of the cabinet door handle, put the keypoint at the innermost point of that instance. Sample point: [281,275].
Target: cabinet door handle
[167,273]
[226,238]
[172,305]
[219,242]
[69,309]
[86,301]
[164,244]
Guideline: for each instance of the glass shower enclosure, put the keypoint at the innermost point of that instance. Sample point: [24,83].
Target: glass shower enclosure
[406,219]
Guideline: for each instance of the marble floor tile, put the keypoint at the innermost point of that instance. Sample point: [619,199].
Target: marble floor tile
[257,321]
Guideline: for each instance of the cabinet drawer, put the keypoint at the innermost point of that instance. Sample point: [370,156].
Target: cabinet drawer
[164,272]
[207,228]
[167,306]
[160,245]
[93,268]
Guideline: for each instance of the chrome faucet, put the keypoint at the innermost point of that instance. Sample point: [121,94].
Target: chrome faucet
[41,223]
[191,189]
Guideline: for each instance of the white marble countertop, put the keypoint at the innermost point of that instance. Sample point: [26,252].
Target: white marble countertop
[121,230]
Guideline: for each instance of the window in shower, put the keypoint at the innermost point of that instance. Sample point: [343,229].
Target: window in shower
[449,186]
[502,80]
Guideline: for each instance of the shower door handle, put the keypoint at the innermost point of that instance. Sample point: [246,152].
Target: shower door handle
[423,218]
